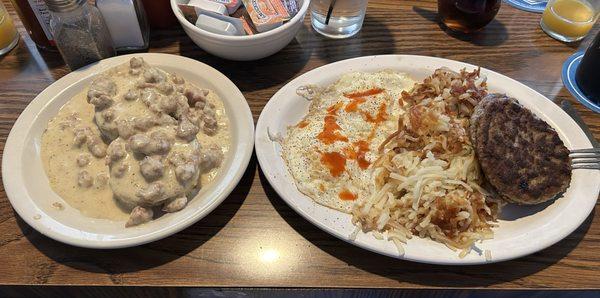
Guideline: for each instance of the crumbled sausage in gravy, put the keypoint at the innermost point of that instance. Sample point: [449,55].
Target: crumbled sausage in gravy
[137,139]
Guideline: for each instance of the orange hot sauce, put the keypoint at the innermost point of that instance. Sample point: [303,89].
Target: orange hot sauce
[372,91]
[335,162]
[346,195]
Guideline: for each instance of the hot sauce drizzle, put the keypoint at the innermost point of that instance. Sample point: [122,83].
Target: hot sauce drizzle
[363,148]
[332,110]
[335,162]
[358,152]
[346,195]
[353,105]
[330,133]
[302,124]
[358,98]
[368,92]
[380,117]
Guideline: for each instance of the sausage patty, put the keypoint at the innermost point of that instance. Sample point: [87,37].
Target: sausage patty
[521,156]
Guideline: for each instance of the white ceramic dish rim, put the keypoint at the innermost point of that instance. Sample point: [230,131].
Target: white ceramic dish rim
[24,205]
[256,37]
[270,161]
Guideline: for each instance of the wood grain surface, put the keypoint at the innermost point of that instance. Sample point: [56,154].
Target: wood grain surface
[228,247]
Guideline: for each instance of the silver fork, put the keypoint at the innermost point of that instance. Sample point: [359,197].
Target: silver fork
[585,158]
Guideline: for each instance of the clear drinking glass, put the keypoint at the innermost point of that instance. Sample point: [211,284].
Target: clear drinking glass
[9,37]
[338,18]
[569,20]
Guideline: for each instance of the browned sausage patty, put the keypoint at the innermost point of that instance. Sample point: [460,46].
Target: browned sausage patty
[521,156]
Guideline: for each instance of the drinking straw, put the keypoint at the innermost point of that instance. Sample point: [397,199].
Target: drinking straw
[329,11]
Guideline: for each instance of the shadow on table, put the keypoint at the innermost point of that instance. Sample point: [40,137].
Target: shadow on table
[494,34]
[259,74]
[373,39]
[425,274]
[117,261]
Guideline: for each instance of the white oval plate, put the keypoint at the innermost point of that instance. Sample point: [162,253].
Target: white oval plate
[27,185]
[524,230]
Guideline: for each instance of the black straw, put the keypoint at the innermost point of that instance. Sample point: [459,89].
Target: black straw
[329,11]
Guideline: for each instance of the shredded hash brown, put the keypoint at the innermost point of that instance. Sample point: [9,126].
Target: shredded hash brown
[428,180]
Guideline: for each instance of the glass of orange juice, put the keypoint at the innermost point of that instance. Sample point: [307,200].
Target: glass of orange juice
[569,20]
[8,34]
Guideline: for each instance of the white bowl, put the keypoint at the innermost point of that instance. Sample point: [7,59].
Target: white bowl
[28,188]
[243,48]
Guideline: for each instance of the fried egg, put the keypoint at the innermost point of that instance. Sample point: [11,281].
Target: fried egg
[329,153]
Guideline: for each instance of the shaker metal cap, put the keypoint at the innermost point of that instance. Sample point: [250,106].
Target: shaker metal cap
[63,5]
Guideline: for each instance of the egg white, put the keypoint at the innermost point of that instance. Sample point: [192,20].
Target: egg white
[301,148]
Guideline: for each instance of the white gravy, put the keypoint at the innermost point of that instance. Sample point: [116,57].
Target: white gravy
[59,154]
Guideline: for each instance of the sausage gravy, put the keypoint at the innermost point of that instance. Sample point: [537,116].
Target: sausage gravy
[137,139]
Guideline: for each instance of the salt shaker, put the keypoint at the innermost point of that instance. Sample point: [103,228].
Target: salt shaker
[127,23]
[79,31]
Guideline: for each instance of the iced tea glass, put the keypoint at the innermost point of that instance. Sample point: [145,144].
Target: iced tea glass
[467,15]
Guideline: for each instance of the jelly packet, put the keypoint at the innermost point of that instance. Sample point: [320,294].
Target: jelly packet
[242,14]
[291,6]
[263,14]
[280,9]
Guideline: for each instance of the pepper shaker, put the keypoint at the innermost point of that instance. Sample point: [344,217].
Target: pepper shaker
[127,23]
[79,31]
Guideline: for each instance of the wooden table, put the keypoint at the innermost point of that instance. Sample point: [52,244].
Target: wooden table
[228,247]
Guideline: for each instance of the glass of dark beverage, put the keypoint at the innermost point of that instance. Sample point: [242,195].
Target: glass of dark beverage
[467,15]
[588,72]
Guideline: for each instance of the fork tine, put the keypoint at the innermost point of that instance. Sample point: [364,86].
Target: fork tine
[587,166]
[588,150]
[588,158]
[585,160]
[584,156]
